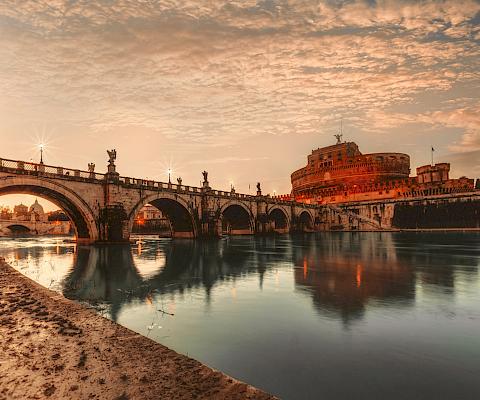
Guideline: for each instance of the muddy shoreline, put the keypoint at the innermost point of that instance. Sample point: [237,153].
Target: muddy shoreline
[52,347]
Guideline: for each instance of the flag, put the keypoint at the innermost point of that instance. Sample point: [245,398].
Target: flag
[433,149]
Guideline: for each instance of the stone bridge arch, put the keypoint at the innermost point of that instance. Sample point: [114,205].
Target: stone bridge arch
[175,208]
[82,216]
[236,218]
[280,218]
[305,220]
[18,228]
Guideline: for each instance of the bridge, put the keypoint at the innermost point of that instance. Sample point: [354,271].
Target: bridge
[103,206]
[10,227]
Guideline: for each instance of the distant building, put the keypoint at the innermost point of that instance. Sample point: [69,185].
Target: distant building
[33,220]
[150,220]
[149,212]
[20,211]
[341,173]
[35,213]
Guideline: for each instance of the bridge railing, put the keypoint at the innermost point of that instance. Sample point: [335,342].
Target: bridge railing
[48,170]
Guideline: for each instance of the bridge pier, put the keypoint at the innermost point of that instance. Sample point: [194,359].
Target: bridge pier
[114,225]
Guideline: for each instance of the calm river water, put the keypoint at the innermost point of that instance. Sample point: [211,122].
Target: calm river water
[325,316]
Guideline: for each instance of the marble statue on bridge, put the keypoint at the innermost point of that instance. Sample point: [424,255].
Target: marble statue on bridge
[205,180]
[112,156]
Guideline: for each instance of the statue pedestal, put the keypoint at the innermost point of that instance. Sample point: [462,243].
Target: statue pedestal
[112,174]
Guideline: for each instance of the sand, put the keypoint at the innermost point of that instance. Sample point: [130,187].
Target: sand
[52,347]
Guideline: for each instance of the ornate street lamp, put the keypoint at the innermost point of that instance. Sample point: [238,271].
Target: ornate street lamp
[41,145]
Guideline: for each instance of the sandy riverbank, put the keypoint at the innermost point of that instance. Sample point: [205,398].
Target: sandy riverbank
[53,347]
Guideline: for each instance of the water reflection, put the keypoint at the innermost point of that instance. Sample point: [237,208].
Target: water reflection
[343,275]
[399,310]
[118,275]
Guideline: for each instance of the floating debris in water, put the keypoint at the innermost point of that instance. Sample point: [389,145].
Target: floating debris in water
[165,312]
[152,326]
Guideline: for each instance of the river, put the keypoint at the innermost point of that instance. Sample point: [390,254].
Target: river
[314,316]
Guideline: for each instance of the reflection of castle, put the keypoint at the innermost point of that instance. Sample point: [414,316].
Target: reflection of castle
[33,220]
[344,273]
[341,173]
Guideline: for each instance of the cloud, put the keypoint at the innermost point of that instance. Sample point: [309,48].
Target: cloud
[465,163]
[219,71]
[466,118]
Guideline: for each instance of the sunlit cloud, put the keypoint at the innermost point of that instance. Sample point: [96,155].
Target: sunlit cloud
[216,73]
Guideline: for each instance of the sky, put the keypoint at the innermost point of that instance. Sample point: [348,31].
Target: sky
[243,89]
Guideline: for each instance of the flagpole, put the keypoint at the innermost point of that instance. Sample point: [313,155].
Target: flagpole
[432,154]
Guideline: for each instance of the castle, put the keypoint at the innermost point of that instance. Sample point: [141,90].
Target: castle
[342,174]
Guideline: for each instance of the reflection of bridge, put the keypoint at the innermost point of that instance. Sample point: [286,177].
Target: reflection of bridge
[102,207]
[342,274]
[110,274]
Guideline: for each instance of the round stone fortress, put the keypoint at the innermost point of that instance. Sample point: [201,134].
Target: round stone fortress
[342,174]
[343,167]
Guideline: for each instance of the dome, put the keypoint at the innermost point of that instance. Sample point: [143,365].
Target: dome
[37,208]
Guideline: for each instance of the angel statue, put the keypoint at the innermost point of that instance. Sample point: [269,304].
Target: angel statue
[179,180]
[259,189]
[205,176]
[112,155]
[91,167]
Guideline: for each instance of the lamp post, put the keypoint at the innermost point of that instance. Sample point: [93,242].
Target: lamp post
[41,152]
[169,175]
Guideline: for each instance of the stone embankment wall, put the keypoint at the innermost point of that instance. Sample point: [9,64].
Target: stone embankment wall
[441,215]
[460,211]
